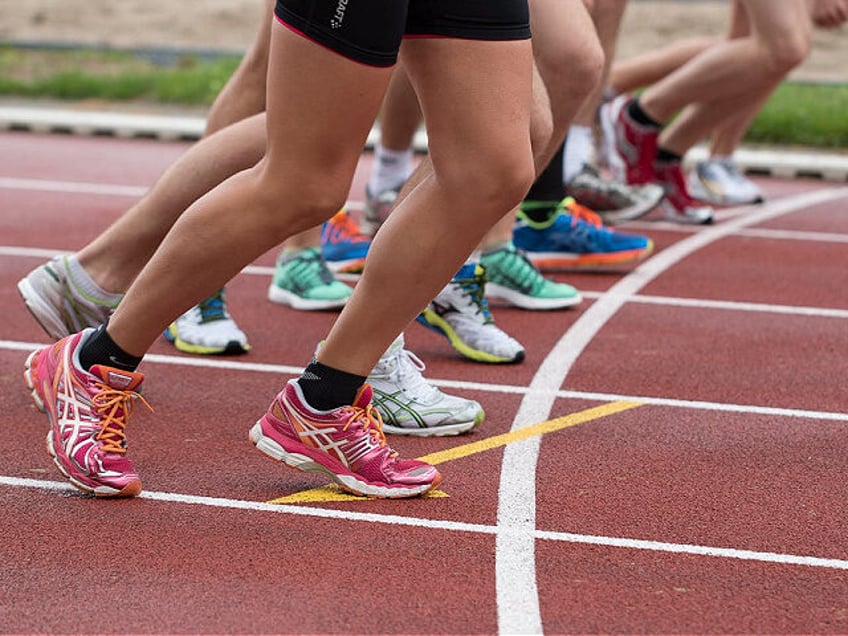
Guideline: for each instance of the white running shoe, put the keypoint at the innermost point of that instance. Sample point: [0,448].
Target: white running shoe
[58,302]
[719,181]
[377,209]
[461,313]
[410,405]
[208,329]
[613,201]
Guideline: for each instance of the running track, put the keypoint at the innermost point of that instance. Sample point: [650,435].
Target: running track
[670,458]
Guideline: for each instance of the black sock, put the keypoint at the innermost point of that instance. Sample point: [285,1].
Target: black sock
[325,388]
[101,349]
[634,109]
[547,191]
[667,156]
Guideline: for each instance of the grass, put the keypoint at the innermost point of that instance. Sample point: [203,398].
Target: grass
[111,76]
[804,115]
[810,115]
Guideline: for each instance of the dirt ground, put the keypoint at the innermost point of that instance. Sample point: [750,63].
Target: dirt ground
[230,25]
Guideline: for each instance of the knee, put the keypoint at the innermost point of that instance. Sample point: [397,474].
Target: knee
[571,76]
[789,53]
[497,185]
[298,202]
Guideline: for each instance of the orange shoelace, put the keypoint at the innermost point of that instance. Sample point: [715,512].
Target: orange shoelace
[581,212]
[371,420]
[115,408]
[345,226]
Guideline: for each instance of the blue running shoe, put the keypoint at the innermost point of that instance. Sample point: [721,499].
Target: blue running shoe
[575,238]
[343,245]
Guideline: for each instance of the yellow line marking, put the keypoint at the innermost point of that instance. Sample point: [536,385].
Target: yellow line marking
[550,426]
[332,492]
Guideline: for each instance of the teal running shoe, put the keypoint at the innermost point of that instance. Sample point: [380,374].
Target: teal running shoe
[303,281]
[513,278]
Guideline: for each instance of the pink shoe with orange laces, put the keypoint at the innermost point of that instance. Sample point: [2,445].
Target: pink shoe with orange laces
[88,413]
[346,443]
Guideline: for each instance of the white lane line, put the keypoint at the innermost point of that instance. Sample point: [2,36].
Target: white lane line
[508,389]
[795,235]
[453,526]
[731,305]
[517,595]
[72,187]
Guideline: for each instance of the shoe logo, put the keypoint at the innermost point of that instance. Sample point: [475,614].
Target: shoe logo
[118,380]
[338,17]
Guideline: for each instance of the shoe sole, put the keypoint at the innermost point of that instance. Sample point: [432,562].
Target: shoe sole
[290,299]
[132,489]
[232,348]
[523,301]
[272,449]
[433,321]
[30,382]
[444,430]
[554,262]
[622,215]
[672,215]
[352,266]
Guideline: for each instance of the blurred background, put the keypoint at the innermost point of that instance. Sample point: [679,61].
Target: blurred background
[176,55]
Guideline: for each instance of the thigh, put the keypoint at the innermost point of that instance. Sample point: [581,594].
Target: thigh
[778,22]
[475,96]
[475,84]
[321,104]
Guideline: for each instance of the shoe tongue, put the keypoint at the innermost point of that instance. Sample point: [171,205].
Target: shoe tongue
[117,378]
[466,271]
[363,396]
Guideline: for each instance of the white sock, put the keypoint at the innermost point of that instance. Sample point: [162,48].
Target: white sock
[391,169]
[578,151]
[86,284]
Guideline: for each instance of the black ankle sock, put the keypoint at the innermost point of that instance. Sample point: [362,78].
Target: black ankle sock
[634,109]
[325,388]
[101,349]
[547,191]
[667,156]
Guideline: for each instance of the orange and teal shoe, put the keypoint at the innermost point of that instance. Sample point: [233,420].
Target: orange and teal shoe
[343,244]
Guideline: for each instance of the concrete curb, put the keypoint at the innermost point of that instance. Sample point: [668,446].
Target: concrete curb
[777,162]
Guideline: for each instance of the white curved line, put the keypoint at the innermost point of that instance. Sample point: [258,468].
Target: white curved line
[515,561]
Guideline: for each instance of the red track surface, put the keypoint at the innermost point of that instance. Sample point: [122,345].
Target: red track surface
[715,503]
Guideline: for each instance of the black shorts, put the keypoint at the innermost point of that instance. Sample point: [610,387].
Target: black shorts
[370,31]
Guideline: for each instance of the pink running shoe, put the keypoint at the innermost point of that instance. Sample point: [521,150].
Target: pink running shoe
[346,443]
[630,147]
[88,412]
